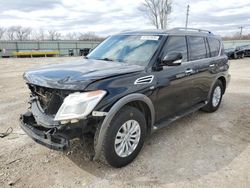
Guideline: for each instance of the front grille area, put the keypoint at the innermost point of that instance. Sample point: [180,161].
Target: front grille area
[50,99]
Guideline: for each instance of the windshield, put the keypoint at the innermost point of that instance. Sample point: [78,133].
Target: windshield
[134,49]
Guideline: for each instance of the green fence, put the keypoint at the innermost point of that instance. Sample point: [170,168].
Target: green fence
[234,43]
[9,48]
[65,48]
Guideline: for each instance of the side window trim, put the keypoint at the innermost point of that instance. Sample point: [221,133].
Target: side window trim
[187,46]
[207,48]
[221,46]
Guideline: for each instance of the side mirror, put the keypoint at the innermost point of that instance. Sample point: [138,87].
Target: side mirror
[172,59]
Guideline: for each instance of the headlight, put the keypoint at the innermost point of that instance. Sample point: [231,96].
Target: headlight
[79,105]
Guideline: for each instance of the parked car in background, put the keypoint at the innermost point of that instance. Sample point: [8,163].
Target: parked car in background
[235,53]
[247,50]
[239,52]
[84,51]
[230,52]
[129,86]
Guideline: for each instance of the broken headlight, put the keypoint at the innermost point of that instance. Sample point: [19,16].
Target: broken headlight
[79,105]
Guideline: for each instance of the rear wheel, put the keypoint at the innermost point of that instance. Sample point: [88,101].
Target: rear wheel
[124,137]
[215,97]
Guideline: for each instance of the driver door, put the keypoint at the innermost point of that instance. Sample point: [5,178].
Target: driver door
[174,82]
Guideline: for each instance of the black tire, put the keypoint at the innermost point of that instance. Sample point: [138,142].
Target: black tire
[108,154]
[210,107]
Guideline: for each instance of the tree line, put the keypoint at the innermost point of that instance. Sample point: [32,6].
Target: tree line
[156,11]
[237,36]
[26,33]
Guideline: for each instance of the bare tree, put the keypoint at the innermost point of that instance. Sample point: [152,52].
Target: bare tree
[72,36]
[157,11]
[2,31]
[11,31]
[88,36]
[54,35]
[18,33]
[39,35]
[22,33]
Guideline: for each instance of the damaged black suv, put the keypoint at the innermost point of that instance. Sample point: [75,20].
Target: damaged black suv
[130,85]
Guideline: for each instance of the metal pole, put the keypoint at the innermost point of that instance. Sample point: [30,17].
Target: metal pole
[241,28]
[187,16]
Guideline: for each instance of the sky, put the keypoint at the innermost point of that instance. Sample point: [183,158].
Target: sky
[106,17]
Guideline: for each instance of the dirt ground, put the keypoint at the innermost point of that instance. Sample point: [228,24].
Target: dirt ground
[200,150]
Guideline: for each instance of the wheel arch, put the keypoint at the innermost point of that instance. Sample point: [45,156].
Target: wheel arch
[222,78]
[138,100]
[224,83]
[145,109]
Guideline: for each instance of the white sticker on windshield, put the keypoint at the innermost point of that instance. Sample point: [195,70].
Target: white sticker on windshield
[149,37]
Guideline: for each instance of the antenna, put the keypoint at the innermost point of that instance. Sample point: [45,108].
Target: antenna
[187,14]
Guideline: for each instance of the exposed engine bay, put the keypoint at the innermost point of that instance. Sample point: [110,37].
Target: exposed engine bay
[50,99]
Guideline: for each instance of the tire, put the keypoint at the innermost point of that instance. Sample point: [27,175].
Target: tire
[214,98]
[127,116]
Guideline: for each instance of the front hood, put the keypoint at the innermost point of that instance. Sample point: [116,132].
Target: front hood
[77,75]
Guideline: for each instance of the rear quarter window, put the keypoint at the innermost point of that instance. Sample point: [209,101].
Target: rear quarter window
[214,45]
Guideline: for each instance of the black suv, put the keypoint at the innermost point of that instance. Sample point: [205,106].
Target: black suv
[129,86]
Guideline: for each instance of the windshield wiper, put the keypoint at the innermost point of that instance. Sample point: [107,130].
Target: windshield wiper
[106,59]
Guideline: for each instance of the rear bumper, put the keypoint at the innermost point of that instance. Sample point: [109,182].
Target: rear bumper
[53,138]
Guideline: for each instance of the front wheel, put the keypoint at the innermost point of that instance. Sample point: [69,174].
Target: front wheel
[124,137]
[215,97]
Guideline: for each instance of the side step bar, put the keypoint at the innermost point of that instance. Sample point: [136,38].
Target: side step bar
[165,123]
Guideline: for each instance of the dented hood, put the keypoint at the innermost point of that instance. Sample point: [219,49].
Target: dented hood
[77,75]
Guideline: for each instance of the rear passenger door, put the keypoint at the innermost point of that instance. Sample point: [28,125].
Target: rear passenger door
[203,64]
[199,61]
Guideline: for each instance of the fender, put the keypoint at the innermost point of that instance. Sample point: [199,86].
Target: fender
[114,109]
[227,78]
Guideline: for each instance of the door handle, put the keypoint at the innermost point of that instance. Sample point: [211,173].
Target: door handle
[189,71]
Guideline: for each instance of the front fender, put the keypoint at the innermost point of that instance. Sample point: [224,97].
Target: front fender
[114,109]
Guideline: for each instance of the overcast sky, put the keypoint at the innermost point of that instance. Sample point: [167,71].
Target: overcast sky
[106,17]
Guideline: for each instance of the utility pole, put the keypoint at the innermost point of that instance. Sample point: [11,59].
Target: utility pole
[241,28]
[187,16]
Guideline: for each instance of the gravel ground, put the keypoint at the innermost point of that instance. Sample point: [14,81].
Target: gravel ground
[200,150]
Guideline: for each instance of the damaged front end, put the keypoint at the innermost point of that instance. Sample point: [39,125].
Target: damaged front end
[39,122]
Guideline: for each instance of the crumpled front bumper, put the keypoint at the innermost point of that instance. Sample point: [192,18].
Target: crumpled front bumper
[52,138]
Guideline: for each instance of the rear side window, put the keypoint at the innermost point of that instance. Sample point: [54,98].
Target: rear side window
[197,48]
[214,46]
[176,44]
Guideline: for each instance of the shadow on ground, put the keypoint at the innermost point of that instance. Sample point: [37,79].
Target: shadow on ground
[191,147]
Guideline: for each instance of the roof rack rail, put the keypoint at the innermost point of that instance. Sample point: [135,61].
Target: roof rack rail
[191,29]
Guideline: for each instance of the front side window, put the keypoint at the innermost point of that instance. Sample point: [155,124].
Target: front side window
[176,44]
[214,45]
[134,49]
[197,48]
